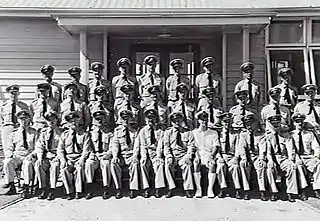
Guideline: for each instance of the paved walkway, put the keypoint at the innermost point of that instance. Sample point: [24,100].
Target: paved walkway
[175,209]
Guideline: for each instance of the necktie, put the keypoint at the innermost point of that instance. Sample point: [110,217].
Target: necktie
[98,83]
[287,95]
[13,113]
[50,140]
[183,109]
[100,144]
[152,136]
[243,110]
[24,137]
[178,139]
[210,81]
[252,141]
[124,77]
[301,149]
[129,106]
[128,139]
[100,106]
[227,142]
[152,79]
[211,117]
[72,108]
[156,106]
[278,150]
[74,142]
[178,79]
[313,110]
[50,91]
[250,90]
[44,107]
[277,108]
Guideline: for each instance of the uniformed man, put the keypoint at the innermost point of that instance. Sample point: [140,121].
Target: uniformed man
[310,108]
[41,105]
[174,80]
[8,112]
[20,153]
[157,103]
[248,84]
[230,154]
[308,153]
[101,135]
[280,157]
[179,147]
[274,107]
[125,152]
[47,165]
[98,80]
[241,109]
[124,78]
[208,78]
[72,103]
[101,104]
[289,94]
[252,154]
[83,94]
[55,90]
[149,79]
[207,152]
[211,104]
[73,150]
[128,103]
[151,152]
[185,106]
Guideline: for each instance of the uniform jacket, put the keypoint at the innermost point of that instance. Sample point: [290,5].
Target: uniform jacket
[119,81]
[202,83]
[94,83]
[172,83]
[146,148]
[270,110]
[259,146]
[6,111]
[36,108]
[310,143]
[42,145]
[292,93]
[304,108]
[145,82]
[190,110]
[106,141]
[243,85]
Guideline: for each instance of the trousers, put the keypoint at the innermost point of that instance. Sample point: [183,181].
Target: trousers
[48,170]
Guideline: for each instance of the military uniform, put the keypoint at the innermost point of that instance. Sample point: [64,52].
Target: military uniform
[8,112]
[55,90]
[125,149]
[149,79]
[98,80]
[83,91]
[41,105]
[122,79]
[179,147]
[21,144]
[48,164]
[207,79]
[73,150]
[151,152]
[249,85]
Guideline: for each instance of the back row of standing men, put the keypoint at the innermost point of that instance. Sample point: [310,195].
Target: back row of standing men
[93,131]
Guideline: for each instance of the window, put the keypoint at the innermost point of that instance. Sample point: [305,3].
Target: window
[286,32]
[315,31]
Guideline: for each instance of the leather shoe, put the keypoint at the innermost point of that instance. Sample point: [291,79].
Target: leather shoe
[246,196]
[290,198]
[131,194]
[238,195]
[263,196]
[50,196]
[221,194]
[303,196]
[42,195]
[89,196]
[118,194]
[157,193]
[25,194]
[189,194]
[70,196]
[78,196]
[273,197]
[105,195]
[146,194]
[169,194]
[11,191]
[317,194]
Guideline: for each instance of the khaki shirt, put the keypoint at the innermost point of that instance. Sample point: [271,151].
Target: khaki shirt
[293,94]
[6,111]
[36,109]
[145,82]
[94,83]
[119,81]
[126,105]
[233,142]
[244,85]
[206,142]
[258,148]
[190,110]
[172,83]
[106,141]
[83,92]
[16,142]
[162,109]
[42,145]
[310,143]
[303,108]
[237,114]
[270,110]
[203,83]
[204,104]
[146,148]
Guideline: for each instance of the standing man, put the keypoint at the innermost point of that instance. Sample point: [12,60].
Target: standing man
[47,165]
[281,155]
[83,91]
[20,152]
[179,147]
[274,107]
[207,152]
[174,80]
[151,152]
[185,106]
[149,79]
[289,94]
[41,105]
[125,152]
[310,108]
[207,79]
[99,80]
[101,135]
[8,112]
[248,84]
[72,103]
[124,78]
[73,150]
[55,90]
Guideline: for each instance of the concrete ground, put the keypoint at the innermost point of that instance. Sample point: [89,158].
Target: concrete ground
[175,209]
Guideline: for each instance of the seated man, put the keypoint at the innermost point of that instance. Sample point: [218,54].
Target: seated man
[280,157]
[125,153]
[151,151]
[73,151]
[20,152]
[47,165]
[101,135]
[179,148]
[308,154]
[207,152]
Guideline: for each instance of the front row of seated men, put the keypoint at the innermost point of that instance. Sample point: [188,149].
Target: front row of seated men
[235,160]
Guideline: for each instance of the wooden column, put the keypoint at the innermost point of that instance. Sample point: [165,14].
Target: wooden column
[106,54]
[245,44]
[84,61]
[224,71]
